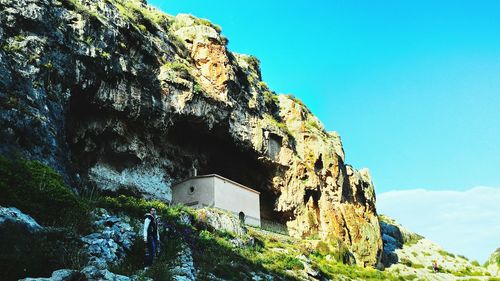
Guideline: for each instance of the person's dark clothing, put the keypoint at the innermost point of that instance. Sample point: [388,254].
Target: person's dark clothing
[151,235]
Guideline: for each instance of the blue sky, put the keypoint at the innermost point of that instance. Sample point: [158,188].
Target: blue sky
[413,88]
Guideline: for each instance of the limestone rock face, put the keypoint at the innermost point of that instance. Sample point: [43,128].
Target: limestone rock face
[125,99]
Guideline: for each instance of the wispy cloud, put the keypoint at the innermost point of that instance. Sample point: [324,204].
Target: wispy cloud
[463,222]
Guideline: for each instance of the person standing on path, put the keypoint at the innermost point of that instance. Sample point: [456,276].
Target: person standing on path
[151,235]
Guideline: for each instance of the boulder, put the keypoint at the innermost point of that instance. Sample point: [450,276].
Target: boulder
[60,275]
[12,219]
[110,243]
[183,267]
[221,220]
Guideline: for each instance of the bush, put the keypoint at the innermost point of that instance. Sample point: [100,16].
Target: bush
[210,24]
[445,253]
[252,61]
[333,270]
[39,191]
[160,270]
[180,68]
[132,206]
[463,257]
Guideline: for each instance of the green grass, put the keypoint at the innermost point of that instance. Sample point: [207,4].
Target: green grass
[333,269]
[410,277]
[464,272]
[39,191]
[214,253]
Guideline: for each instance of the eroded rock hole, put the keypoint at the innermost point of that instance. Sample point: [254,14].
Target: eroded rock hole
[318,165]
[315,194]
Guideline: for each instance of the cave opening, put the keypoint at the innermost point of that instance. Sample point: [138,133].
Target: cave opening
[215,152]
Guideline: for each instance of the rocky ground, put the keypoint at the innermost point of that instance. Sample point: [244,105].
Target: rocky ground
[210,244]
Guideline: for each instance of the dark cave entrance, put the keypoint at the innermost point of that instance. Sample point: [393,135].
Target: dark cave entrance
[214,152]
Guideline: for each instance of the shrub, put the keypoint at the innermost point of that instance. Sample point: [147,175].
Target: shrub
[277,124]
[410,263]
[252,61]
[463,257]
[445,253]
[180,68]
[475,263]
[132,206]
[333,270]
[160,270]
[39,191]
[410,277]
[208,23]
[263,86]
[136,12]
[198,89]
[80,8]
[270,98]
[14,45]
[313,123]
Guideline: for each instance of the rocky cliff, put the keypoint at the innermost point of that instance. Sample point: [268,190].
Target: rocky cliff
[412,256]
[121,98]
